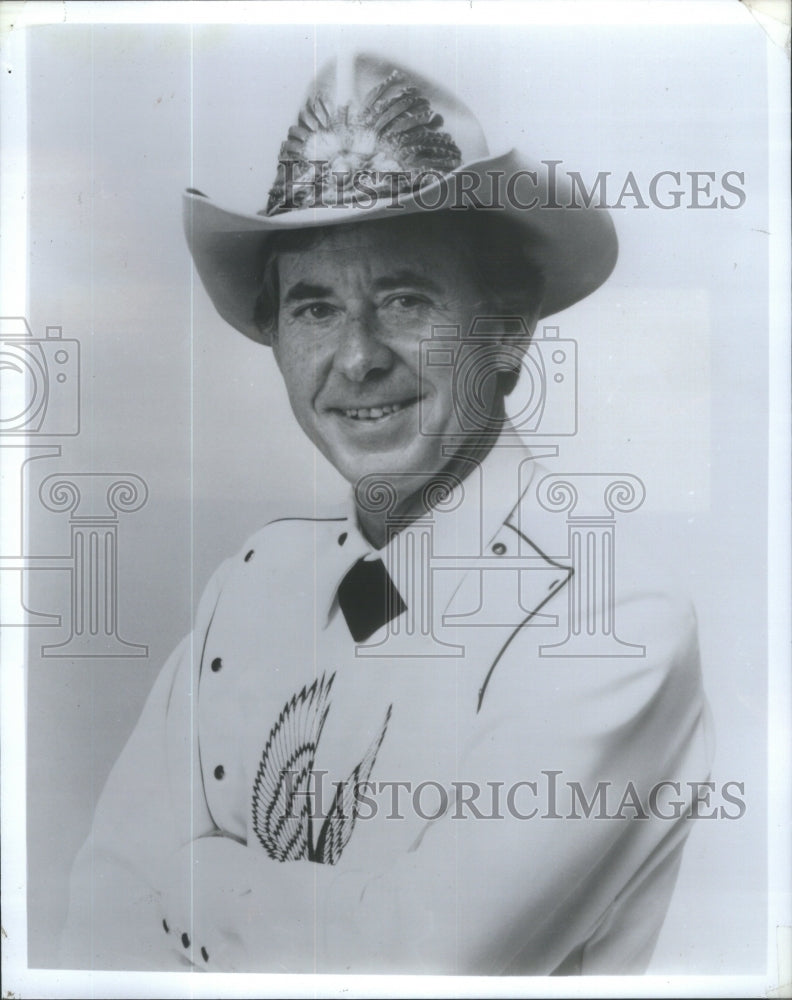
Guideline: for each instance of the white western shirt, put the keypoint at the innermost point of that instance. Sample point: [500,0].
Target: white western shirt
[470,699]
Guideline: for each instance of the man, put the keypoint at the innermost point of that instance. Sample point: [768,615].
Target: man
[373,752]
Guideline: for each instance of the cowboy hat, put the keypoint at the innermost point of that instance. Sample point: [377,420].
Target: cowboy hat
[375,140]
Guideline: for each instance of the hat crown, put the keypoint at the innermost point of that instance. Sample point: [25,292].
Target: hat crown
[371,129]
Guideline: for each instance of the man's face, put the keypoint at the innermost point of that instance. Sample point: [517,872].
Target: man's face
[353,311]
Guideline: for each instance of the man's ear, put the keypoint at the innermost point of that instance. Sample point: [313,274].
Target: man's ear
[532,321]
[518,343]
[275,346]
[532,324]
[513,350]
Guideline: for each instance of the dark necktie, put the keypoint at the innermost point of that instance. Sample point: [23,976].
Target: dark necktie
[368,598]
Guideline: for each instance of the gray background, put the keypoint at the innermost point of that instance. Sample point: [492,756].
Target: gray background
[673,381]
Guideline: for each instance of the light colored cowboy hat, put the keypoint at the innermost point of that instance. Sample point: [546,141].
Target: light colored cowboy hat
[373,141]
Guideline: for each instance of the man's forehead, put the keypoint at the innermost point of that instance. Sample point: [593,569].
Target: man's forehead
[373,251]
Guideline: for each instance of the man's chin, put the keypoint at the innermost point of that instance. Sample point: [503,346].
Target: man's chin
[400,474]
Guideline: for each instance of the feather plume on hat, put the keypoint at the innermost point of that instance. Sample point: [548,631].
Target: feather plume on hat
[393,131]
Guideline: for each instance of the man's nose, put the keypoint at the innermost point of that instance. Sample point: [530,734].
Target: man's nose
[360,352]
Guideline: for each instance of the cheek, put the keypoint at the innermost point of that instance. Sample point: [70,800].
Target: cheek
[443,381]
[298,367]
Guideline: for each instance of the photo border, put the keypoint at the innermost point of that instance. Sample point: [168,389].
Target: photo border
[22,981]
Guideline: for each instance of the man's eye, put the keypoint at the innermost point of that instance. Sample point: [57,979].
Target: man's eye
[315,310]
[406,302]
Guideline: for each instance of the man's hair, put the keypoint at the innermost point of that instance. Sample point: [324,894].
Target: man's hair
[502,265]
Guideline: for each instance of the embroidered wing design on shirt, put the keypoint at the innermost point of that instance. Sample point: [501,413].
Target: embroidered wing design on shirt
[282,809]
[340,821]
[281,804]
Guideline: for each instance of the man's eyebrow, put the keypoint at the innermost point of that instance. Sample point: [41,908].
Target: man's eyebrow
[304,290]
[405,277]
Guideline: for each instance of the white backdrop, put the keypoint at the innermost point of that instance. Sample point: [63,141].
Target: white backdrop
[672,365]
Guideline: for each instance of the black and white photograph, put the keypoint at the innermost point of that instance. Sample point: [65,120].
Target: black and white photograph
[395,499]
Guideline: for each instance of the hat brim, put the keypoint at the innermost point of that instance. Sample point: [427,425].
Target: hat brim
[576,247]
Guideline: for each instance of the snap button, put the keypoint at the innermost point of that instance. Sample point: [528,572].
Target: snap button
[247,557]
[185,940]
[342,538]
[498,548]
[219,772]
[217,664]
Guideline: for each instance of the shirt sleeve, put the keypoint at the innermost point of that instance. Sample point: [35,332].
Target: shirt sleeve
[152,803]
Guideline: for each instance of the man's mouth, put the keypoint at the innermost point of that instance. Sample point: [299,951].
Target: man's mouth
[376,412]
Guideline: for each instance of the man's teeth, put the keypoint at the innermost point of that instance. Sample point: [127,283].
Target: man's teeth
[373,412]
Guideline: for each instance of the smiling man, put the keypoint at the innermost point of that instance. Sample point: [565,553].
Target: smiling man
[348,315]
[372,754]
